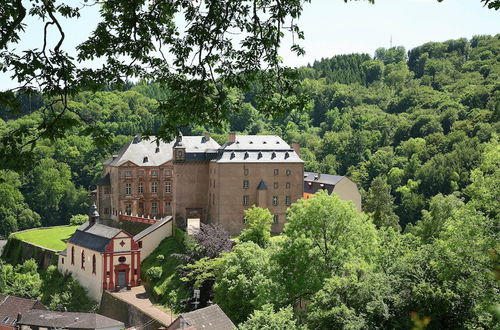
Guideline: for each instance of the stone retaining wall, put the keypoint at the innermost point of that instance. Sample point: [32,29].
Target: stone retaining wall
[130,315]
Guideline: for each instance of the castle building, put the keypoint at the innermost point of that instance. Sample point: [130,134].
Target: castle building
[195,177]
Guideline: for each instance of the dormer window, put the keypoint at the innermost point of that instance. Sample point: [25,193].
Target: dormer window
[145,160]
[157,150]
[179,154]
[273,155]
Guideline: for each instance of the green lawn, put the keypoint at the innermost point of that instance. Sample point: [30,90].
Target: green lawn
[51,238]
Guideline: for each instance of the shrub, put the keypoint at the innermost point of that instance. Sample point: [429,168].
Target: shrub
[78,219]
[154,272]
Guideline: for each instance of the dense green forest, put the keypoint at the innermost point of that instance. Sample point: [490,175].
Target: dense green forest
[417,131]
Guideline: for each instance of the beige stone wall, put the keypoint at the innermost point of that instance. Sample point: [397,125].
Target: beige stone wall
[227,187]
[191,186]
[348,191]
[150,242]
[90,281]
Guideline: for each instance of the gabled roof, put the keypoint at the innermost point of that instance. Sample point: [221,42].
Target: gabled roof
[262,185]
[317,181]
[322,178]
[94,237]
[11,306]
[208,318]
[68,320]
[138,150]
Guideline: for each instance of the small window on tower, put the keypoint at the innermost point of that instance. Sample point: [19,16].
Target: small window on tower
[276,218]
[288,200]
[245,171]
[276,171]
[275,200]
[245,200]
[287,186]
[288,172]
[276,185]
[245,184]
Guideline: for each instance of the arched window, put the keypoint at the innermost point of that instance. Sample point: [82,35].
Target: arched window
[93,264]
[83,259]
[72,255]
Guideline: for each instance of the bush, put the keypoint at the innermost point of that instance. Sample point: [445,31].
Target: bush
[154,272]
[78,219]
[160,257]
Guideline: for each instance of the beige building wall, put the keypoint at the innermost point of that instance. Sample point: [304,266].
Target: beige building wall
[348,191]
[191,186]
[151,241]
[227,191]
[89,280]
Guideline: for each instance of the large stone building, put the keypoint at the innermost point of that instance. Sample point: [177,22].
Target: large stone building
[195,177]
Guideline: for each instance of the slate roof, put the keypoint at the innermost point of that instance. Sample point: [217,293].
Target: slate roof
[262,185]
[208,318]
[317,181]
[257,149]
[136,150]
[11,306]
[152,228]
[198,144]
[68,320]
[323,178]
[257,142]
[94,237]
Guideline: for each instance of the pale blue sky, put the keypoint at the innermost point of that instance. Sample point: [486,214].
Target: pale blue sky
[333,27]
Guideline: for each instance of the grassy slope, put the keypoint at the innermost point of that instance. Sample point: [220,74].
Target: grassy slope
[51,238]
[168,290]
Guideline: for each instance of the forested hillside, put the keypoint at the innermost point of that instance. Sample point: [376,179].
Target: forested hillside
[404,127]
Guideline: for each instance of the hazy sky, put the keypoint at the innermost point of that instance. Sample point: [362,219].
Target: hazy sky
[333,27]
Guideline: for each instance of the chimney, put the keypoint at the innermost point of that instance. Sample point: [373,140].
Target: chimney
[94,215]
[296,148]
[206,136]
[232,137]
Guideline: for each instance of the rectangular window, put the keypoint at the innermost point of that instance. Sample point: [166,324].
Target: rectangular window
[140,188]
[245,171]
[245,200]
[128,188]
[141,172]
[276,185]
[154,173]
[154,187]
[168,173]
[275,218]
[140,247]
[245,184]
[288,200]
[287,186]
[128,173]
[154,208]
[288,172]
[275,200]
[276,171]
[168,187]
[128,209]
